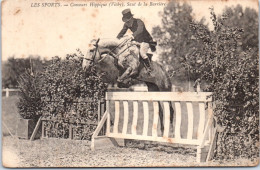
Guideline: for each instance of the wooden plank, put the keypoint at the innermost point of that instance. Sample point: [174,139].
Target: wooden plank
[7,92]
[70,132]
[202,154]
[100,125]
[108,117]
[98,129]
[155,118]
[201,120]
[212,145]
[208,126]
[99,110]
[166,119]
[125,104]
[210,133]
[102,112]
[146,118]
[178,120]
[116,121]
[135,117]
[152,138]
[36,129]
[202,150]
[10,90]
[43,126]
[190,120]
[7,129]
[211,130]
[159,96]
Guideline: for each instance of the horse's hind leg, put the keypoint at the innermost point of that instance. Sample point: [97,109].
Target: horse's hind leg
[154,87]
[161,117]
[171,112]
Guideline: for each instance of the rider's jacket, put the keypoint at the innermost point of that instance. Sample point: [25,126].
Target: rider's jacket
[139,31]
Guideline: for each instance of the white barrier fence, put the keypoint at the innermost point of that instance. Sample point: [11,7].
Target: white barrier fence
[135,115]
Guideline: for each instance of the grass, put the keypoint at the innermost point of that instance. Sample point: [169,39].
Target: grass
[73,153]
[9,114]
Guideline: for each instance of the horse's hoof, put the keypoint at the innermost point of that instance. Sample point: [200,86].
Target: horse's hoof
[120,85]
[119,80]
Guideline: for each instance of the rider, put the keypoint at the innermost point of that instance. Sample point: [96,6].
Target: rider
[140,34]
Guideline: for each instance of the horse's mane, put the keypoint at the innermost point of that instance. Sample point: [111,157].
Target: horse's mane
[108,42]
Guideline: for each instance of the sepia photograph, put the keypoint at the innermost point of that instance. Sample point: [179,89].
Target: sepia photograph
[121,83]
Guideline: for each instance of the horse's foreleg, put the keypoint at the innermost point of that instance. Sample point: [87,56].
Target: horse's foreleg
[125,74]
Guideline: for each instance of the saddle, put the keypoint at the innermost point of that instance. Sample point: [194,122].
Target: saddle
[152,46]
[141,60]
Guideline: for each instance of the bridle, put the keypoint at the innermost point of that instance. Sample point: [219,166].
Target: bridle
[94,55]
[92,60]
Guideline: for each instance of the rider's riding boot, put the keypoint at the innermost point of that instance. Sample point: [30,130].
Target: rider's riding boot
[148,65]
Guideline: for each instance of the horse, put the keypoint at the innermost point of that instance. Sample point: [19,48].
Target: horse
[105,55]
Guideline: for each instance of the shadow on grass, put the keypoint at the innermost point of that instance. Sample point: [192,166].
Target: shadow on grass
[159,146]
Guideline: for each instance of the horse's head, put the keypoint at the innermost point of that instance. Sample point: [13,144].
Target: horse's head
[99,50]
[92,55]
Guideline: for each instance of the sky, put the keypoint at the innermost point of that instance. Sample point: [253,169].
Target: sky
[30,27]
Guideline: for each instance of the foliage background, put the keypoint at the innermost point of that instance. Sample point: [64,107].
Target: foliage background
[225,59]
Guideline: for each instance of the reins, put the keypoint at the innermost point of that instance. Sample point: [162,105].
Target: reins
[110,52]
[115,57]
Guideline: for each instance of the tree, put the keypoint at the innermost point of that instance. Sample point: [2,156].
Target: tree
[13,68]
[176,40]
[233,78]
[248,21]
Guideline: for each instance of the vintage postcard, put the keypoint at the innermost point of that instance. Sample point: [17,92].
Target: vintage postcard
[122,83]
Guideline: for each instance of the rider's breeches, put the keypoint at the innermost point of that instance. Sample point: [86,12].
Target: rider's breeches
[144,47]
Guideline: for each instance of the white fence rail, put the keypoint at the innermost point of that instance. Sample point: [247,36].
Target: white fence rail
[7,92]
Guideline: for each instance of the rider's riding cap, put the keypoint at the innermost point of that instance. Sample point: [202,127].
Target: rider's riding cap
[127,15]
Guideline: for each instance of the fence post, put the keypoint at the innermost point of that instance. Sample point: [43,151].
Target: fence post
[99,110]
[43,127]
[6,92]
[198,87]
[102,108]
[173,88]
[70,132]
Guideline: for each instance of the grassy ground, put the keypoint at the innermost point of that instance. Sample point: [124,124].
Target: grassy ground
[9,114]
[67,153]
[71,153]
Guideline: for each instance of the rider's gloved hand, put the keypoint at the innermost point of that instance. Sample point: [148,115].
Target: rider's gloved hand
[131,37]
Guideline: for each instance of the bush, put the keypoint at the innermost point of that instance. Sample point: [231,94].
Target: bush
[62,92]
[70,92]
[30,104]
[233,78]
